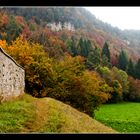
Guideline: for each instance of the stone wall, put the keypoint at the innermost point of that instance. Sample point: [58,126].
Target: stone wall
[12,81]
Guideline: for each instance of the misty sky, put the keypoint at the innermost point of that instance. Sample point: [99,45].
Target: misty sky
[121,17]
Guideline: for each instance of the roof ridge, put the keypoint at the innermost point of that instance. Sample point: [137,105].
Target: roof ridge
[10,57]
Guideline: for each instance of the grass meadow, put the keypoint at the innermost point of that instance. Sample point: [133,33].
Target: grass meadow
[123,117]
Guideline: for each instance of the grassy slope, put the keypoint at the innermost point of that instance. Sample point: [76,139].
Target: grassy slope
[29,114]
[124,117]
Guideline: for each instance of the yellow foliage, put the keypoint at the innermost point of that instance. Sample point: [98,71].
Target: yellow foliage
[3,44]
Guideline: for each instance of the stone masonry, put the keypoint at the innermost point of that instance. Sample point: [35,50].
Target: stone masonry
[12,82]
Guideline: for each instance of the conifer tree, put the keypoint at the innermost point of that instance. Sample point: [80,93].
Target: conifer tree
[94,58]
[84,47]
[123,60]
[137,69]
[106,51]
[80,47]
[74,49]
[131,68]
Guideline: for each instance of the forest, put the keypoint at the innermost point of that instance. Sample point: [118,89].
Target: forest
[84,68]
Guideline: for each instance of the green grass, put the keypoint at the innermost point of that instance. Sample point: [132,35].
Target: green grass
[123,117]
[15,114]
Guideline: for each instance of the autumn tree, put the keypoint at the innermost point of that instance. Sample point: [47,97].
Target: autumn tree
[51,43]
[122,77]
[116,78]
[35,61]
[134,90]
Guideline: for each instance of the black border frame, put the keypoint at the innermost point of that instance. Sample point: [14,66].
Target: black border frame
[81,3]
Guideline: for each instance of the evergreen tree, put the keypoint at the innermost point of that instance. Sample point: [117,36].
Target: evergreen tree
[123,60]
[131,68]
[84,47]
[80,47]
[74,49]
[93,59]
[106,51]
[89,47]
[137,69]
[71,45]
[105,61]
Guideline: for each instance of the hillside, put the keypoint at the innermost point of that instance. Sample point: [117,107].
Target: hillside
[43,115]
[86,25]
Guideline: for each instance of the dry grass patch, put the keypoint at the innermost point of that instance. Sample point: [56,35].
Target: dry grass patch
[64,118]
[46,115]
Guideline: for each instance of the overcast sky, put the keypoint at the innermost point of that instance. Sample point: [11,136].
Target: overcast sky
[121,17]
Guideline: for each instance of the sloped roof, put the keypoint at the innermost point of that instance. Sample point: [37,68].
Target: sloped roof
[10,58]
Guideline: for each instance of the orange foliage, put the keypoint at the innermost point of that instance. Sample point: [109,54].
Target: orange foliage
[3,44]
[20,20]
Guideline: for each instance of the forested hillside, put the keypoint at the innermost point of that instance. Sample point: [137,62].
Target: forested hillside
[83,21]
[71,56]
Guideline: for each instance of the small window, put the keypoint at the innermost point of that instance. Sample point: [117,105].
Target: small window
[3,65]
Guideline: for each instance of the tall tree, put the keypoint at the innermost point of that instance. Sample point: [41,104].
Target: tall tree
[106,51]
[137,69]
[71,45]
[123,60]
[84,47]
[105,61]
[89,47]
[94,58]
[80,47]
[131,68]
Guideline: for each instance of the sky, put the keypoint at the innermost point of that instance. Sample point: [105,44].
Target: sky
[121,17]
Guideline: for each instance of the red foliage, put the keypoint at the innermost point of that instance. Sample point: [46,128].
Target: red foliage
[20,20]
[3,19]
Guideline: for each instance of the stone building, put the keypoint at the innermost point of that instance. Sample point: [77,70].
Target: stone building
[58,27]
[12,75]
